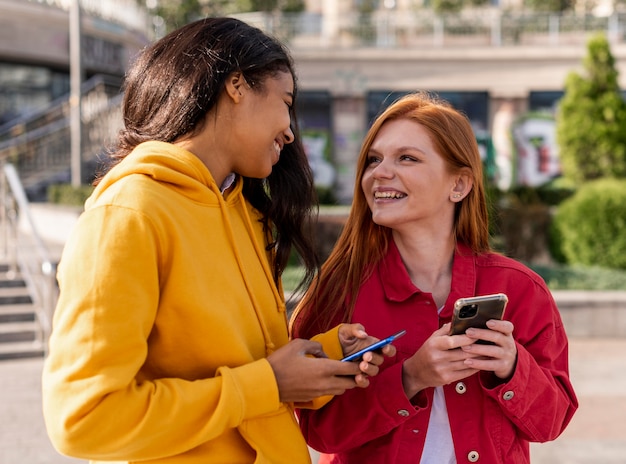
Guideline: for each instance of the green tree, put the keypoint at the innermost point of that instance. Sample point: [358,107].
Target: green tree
[591,118]
[454,6]
[176,13]
[550,5]
[285,6]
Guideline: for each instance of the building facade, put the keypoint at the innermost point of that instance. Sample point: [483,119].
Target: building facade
[35,48]
[495,64]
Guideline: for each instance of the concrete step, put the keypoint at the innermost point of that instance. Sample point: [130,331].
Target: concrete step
[21,350]
[19,328]
[13,291]
[17,313]
[22,331]
[12,283]
[15,299]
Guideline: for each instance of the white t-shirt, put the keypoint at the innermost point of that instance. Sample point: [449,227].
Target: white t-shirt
[438,448]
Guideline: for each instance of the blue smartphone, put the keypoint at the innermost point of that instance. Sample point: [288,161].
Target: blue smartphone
[373,347]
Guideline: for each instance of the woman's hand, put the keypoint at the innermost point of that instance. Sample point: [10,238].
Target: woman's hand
[303,372]
[354,338]
[439,361]
[500,358]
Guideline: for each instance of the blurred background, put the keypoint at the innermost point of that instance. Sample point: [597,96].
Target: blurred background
[543,83]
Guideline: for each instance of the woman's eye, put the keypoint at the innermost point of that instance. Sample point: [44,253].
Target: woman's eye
[372,160]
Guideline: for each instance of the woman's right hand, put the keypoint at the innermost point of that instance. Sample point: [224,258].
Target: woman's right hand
[303,372]
[439,361]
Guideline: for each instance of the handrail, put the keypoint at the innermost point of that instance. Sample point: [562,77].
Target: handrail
[38,144]
[34,262]
[126,12]
[58,108]
[22,203]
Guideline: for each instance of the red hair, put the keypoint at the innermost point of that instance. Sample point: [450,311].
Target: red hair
[362,244]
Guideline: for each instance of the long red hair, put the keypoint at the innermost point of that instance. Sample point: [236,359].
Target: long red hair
[362,243]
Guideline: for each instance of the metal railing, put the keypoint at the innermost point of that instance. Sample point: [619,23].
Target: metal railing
[38,145]
[26,253]
[423,28]
[126,12]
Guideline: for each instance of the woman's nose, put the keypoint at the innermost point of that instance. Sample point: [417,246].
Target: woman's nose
[382,170]
[288,135]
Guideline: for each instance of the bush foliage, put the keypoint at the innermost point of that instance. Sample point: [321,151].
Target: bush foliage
[591,118]
[67,194]
[590,226]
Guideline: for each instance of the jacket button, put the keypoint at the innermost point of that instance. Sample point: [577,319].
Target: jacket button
[403,412]
[508,395]
[460,388]
[473,456]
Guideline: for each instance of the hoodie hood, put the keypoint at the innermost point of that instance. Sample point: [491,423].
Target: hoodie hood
[166,163]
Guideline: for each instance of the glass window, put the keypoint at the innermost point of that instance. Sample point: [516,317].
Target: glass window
[544,100]
[314,118]
[474,104]
[25,89]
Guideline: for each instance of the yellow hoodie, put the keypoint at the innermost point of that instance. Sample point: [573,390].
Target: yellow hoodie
[167,311]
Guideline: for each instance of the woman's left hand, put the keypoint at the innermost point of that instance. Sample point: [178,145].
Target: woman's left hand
[500,358]
[354,338]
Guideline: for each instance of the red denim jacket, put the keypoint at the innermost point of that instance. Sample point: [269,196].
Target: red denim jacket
[492,421]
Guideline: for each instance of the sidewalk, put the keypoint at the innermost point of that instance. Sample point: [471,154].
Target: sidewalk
[596,435]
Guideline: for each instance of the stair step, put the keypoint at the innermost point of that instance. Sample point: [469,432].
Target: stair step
[13,291]
[21,313]
[15,299]
[20,350]
[17,308]
[18,332]
[17,313]
[12,283]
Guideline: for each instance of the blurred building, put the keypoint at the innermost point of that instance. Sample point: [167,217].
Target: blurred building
[35,42]
[496,64]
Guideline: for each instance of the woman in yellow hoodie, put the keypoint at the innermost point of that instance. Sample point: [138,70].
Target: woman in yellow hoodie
[170,340]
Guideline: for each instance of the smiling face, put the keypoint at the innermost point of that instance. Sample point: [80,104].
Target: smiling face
[261,125]
[406,182]
[247,129]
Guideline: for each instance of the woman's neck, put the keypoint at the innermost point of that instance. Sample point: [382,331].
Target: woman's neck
[428,260]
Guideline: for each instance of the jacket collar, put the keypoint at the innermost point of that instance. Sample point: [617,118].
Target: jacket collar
[398,287]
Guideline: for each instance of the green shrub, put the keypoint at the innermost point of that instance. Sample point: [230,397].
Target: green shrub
[591,225]
[592,278]
[67,194]
[591,117]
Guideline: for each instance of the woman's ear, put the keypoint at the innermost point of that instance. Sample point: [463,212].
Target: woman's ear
[463,185]
[235,86]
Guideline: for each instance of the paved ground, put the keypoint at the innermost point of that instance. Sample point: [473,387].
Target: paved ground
[597,434]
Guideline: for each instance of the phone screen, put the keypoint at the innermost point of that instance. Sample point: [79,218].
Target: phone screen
[373,347]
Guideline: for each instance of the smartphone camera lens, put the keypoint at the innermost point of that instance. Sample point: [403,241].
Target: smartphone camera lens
[468,311]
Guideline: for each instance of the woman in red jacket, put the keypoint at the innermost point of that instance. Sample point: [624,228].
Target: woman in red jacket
[415,241]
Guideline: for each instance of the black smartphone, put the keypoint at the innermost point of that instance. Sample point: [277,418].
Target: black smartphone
[374,346]
[476,311]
